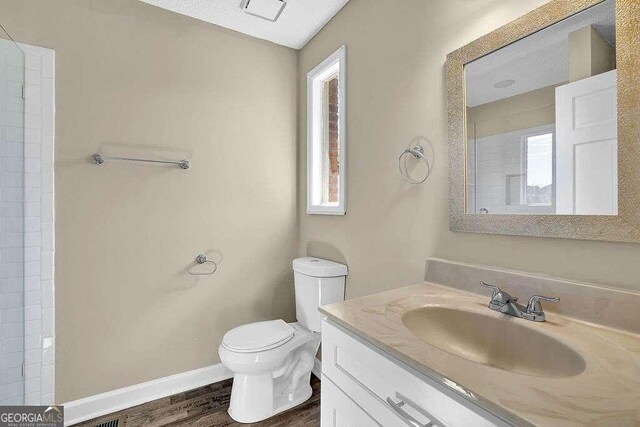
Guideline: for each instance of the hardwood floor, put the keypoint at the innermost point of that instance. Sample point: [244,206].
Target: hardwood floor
[207,407]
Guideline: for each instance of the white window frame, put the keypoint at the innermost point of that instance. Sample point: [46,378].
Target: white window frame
[316,137]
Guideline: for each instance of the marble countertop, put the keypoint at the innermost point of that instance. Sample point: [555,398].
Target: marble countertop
[606,393]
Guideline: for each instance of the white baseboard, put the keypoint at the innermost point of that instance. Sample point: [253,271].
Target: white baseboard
[117,400]
[317,368]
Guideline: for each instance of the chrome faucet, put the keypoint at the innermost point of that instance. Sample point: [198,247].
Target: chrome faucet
[502,302]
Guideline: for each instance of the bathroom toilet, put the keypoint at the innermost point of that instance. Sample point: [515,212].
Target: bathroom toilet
[272,360]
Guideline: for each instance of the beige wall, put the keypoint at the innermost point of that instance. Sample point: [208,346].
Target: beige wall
[133,78]
[524,111]
[395,56]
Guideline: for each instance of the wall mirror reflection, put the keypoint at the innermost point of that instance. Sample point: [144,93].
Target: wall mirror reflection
[541,121]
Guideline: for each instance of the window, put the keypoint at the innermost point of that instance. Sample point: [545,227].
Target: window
[539,190]
[326,136]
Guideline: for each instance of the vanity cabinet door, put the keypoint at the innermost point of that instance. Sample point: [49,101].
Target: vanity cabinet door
[390,392]
[337,410]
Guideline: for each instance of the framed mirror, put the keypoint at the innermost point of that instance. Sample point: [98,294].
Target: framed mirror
[544,125]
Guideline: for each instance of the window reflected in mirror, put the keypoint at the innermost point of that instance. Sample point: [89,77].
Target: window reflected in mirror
[541,117]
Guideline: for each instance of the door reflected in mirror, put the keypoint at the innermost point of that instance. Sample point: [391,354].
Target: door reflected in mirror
[541,117]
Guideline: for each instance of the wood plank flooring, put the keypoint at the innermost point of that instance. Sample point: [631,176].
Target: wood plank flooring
[207,407]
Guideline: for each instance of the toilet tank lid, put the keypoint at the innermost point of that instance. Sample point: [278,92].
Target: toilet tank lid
[316,267]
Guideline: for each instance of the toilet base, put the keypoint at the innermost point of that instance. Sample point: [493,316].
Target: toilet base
[259,412]
[258,396]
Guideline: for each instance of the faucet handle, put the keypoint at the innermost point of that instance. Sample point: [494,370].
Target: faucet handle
[496,289]
[534,305]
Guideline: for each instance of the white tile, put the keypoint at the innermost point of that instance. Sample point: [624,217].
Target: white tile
[11,375]
[16,119]
[33,93]
[12,225]
[11,330]
[32,283]
[12,315]
[32,136]
[32,385]
[32,298]
[48,374]
[33,399]
[33,107]
[9,270]
[48,64]
[15,401]
[32,312]
[47,207]
[48,356]
[12,179]
[9,286]
[12,149]
[13,134]
[14,345]
[32,225]
[33,62]
[46,270]
[12,255]
[33,121]
[32,341]
[32,180]
[47,177]
[32,195]
[48,322]
[47,122]
[14,300]
[47,236]
[33,327]
[32,165]
[33,356]
[48,93]
[12,238]
[11,210]
[32,239]
[11,360]
[33,77]
[31,254]
[47,293]
[12,164]
[32,209]
[46,150]
[12,194]
[32,268]
[32,370]
[32,151]
[47,399]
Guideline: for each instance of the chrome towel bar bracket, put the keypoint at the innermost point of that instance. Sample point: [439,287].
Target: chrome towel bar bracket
[417,153]
[99,159]
[200,260]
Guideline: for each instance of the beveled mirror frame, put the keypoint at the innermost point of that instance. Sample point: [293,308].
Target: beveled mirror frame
[625,227]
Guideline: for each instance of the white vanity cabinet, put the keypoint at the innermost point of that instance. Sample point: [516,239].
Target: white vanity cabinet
[362,386]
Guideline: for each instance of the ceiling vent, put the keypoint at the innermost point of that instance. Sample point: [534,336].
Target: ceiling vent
[265,9]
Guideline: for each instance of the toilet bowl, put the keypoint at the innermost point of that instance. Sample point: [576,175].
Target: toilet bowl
[272,360]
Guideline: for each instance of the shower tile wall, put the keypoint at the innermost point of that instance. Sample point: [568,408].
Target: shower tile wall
[12,313]
[26,225]
[39,225]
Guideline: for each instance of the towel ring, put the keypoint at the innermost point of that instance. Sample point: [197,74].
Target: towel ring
[202,259]
[417,153]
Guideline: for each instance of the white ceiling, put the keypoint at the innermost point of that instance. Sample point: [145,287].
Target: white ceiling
[534,62]
[299,22]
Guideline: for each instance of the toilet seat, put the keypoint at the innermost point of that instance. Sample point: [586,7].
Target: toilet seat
[257,337]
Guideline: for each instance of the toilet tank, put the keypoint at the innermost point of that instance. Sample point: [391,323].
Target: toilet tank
[318,282]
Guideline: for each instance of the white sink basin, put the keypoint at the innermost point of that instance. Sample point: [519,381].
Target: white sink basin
[510,344]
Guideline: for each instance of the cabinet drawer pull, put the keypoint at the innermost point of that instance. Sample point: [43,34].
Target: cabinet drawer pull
[408,418]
